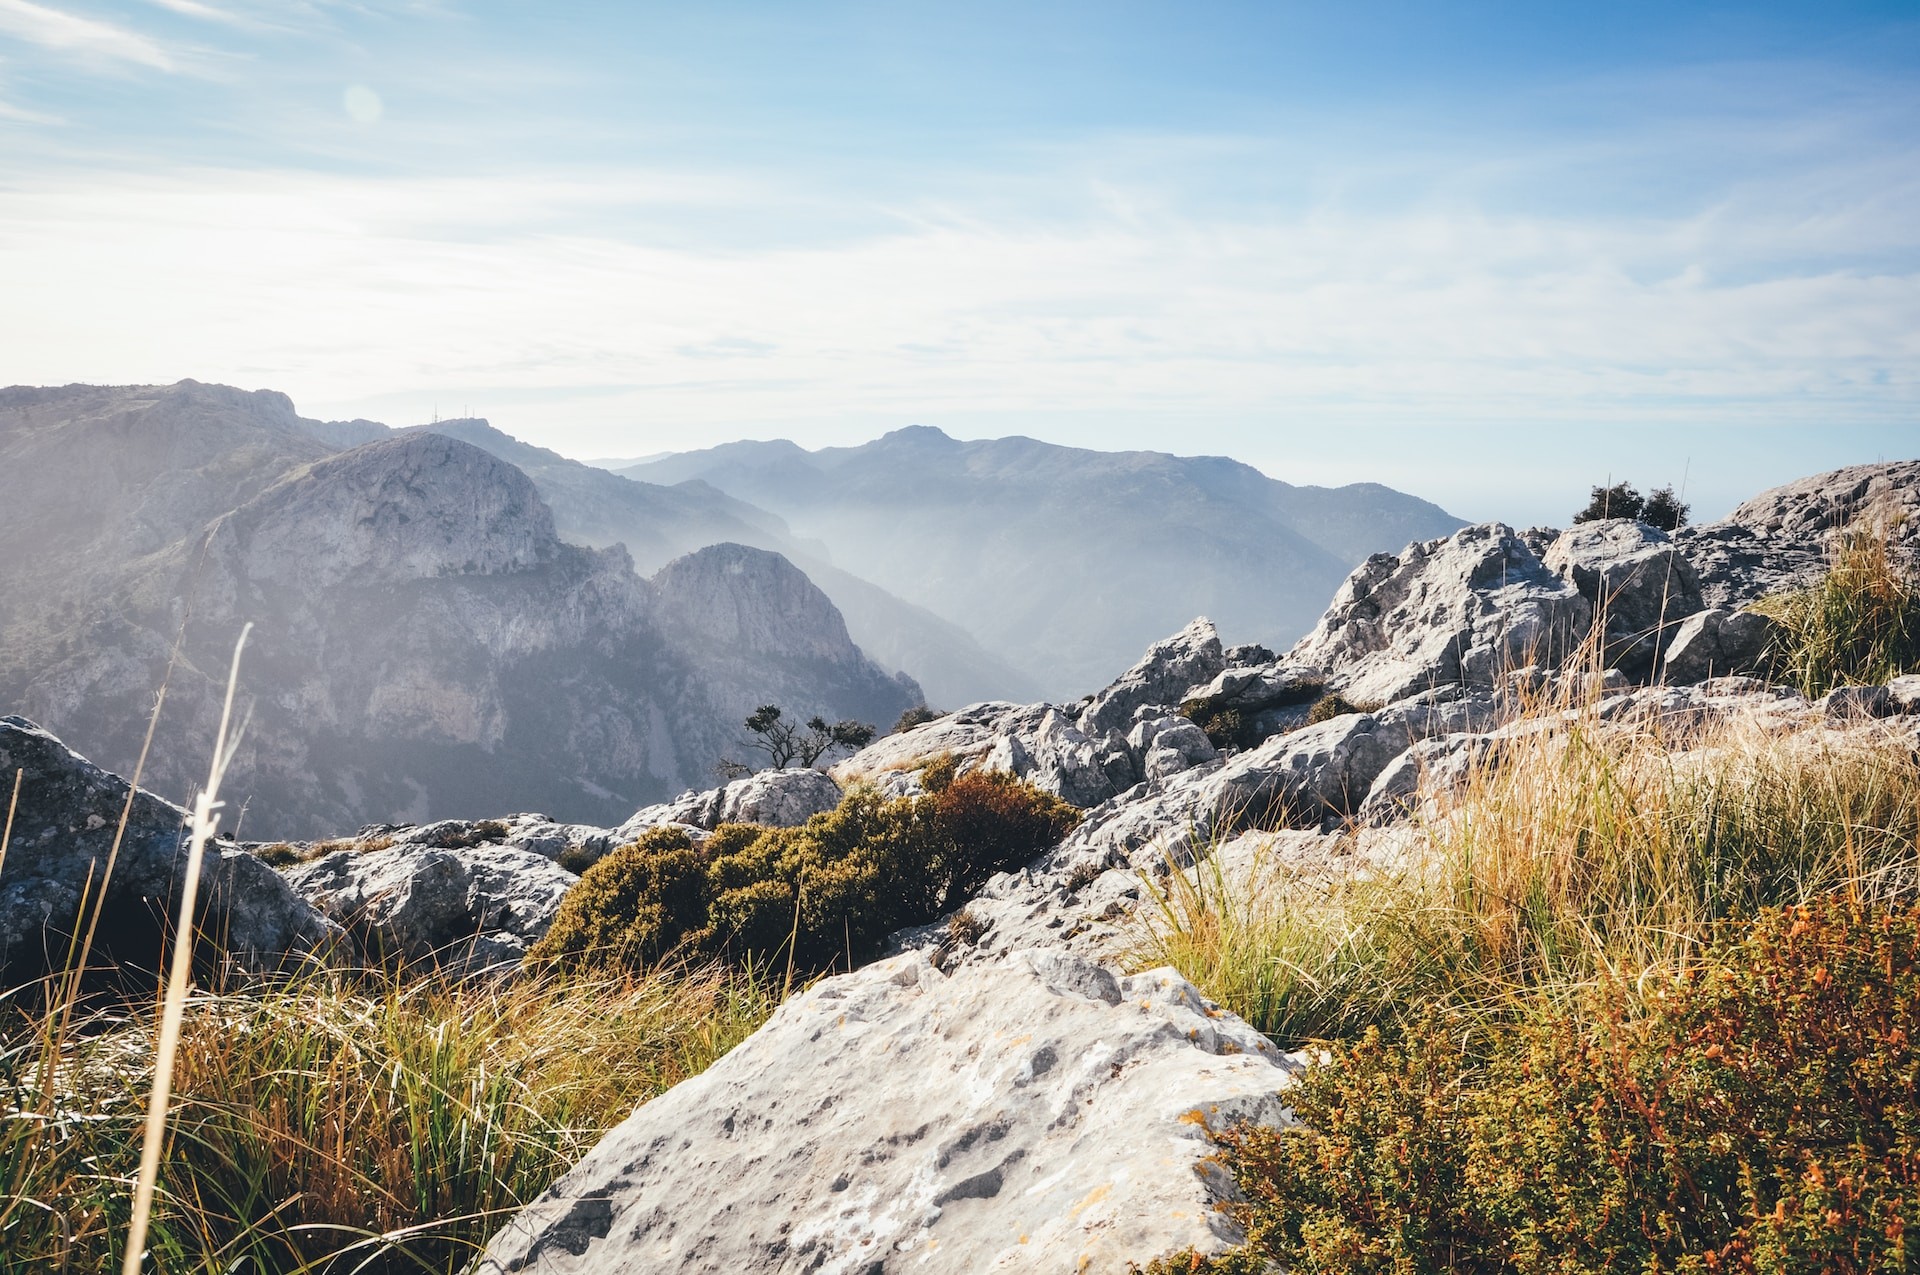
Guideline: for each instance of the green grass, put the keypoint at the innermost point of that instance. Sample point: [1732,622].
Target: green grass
[1859,626]
[332,1124]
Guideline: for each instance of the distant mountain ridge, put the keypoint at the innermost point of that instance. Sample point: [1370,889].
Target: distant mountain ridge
[1063,560]
[425,641]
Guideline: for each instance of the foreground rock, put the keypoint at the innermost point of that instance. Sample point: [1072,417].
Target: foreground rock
[63,834]
[468,908]
[1635,579]
[1041,1114]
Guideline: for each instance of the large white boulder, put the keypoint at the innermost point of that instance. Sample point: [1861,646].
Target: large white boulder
[1635,578]
[1038,1114]
[1191,657]
[776,798]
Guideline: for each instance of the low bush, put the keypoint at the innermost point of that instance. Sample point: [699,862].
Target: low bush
[1760,1112]
[1328,707]
[1858,626]
[330,1126]
[823,894]
[1224,727]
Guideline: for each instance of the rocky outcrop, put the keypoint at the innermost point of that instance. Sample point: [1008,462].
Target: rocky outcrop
[63,834]
[1462,610]
[775,798]
[1040,1114]
[1783,537]
[1637,582]
[470,908]
[1191,657]
[1038,742]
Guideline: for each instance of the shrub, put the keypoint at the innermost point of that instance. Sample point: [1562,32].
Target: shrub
[1662,508]
[1761,1114]
[1860,625]
[1224,727]
[1620,500]
[1329,707]
[918,715]
[827,892]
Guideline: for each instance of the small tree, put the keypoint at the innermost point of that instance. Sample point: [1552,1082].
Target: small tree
[787,744]
[1617,501]
[1665,510]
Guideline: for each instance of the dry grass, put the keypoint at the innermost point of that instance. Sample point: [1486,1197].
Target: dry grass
[1581,851]
[329,1124]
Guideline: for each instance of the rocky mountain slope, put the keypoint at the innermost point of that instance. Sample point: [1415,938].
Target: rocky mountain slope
[1067,561]
[425,640]
[658,522]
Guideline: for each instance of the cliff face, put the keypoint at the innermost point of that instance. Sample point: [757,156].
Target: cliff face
[424,641]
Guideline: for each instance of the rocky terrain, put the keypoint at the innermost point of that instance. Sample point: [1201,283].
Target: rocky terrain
[425,641]
[1063,561]
[1000,1094]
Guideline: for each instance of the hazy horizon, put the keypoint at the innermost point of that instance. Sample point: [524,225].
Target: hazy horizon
[1486,255]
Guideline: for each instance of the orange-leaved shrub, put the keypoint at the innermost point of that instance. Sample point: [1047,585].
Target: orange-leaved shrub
[823,894]
[1760,1113]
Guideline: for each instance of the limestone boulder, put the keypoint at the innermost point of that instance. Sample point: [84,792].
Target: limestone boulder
[1040,743]
[1638,583]
[63,833]
[471,908]
[1715,643]
[1036,1114]
[776,798]
[1189,658]
[1460,610]
[1168,746]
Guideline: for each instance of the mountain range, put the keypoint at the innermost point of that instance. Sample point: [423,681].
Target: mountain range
[449,618]
[1063,561]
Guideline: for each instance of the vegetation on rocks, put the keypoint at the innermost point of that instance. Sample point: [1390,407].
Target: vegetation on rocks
[825,893]
[1859,625]
[1758,1110]
[1660,508]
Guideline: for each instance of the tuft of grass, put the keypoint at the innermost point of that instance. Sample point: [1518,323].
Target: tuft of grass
[334,1124]
[1582,851]
[1859,626]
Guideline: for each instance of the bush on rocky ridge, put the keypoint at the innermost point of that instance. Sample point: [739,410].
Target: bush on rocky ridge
[1761,1113]
[827,892]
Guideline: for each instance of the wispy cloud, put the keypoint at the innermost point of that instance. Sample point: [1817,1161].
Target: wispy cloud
[82,37]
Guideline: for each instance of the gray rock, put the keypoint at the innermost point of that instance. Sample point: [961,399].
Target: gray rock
[1783,538]
[775,798]
[1038,742]
[1905,693]
[468,908]
[1635,579]
[1170,746]
[1040,1114]
[1189,658]
[62,835]
[1271,685]
[1717,642]
[1464,609]
[1847,704]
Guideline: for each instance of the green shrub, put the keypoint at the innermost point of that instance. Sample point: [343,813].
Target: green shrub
[918,715]
[1761,1112]
[1329,707]
[1859,626]
[825,893]
[1224,727]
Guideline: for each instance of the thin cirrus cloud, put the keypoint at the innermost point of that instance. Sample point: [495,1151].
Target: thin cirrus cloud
[85,39]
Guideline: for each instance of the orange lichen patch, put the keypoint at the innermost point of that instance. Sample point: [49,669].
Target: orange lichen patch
[1093,1197]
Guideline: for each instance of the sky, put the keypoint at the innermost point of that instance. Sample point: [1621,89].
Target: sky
[1488,253]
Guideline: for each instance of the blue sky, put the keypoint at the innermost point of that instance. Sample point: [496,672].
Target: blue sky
[1487,253]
